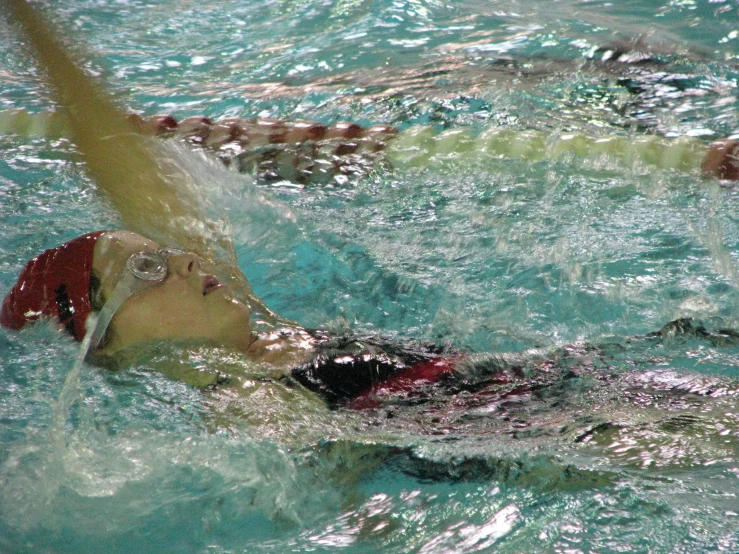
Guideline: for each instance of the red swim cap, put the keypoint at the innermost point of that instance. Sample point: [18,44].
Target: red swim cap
[54,284]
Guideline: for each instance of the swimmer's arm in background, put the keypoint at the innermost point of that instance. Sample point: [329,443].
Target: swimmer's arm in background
[722,160]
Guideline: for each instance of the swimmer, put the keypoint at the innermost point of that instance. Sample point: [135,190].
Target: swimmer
[142,293]
[183,287]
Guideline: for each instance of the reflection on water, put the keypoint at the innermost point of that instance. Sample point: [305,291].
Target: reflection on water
[603,437]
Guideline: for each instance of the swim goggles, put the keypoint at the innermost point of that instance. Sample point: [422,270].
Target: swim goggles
[143,270]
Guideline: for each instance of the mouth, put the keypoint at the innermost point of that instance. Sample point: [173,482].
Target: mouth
[211,283]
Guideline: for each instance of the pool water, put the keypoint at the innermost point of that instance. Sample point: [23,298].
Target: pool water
[563,266]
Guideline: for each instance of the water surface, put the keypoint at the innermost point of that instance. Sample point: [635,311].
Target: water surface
[624,442]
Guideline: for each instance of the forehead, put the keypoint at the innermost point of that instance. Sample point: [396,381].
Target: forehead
[112,250]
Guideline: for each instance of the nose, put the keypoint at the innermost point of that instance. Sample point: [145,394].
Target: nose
[183,264]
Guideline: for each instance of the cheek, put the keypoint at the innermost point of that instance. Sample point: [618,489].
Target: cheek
[161,314]
[179,313]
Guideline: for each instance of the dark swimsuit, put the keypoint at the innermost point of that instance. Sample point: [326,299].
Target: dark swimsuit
[358,371]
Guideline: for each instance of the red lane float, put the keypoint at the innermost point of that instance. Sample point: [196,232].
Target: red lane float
[308,151]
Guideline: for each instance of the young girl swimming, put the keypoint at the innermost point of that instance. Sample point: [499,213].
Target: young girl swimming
[187,285]
[179,288]
[142,293]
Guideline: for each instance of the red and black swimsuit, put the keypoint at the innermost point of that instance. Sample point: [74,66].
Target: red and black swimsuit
[357,372]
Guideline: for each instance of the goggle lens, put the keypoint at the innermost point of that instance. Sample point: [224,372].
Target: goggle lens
[151,266]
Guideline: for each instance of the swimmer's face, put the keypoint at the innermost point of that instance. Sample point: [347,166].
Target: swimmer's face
[189,304]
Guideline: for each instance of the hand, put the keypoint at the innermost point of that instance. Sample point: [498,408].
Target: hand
[722,160]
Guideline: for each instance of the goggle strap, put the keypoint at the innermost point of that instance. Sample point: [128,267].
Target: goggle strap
[126,287]
[132,282]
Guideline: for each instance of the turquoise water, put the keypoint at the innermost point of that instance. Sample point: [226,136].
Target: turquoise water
[629,447]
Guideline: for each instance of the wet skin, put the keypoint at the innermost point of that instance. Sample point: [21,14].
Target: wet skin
[190,304]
